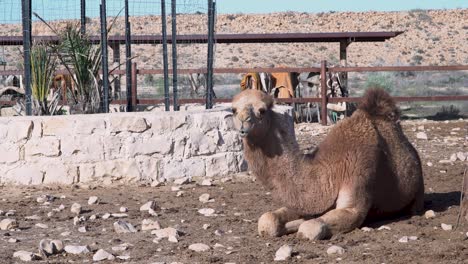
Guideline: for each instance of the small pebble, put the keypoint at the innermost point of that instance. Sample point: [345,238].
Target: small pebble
[76,208]
[123,209]
[101,254]
[206,211]
[384,227]
[335,250]
[446,227]
[283,253]
[93,200]
[199,247]
[148,205]
[429,214]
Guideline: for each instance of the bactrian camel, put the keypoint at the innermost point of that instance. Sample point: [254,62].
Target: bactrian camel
[364,168]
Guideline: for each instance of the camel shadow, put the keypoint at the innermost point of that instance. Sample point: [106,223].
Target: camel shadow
[441,201]
[438,202]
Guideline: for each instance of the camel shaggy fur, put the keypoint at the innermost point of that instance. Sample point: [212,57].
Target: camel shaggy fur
[364,168]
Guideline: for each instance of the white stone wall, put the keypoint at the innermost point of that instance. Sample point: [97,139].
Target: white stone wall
[119,147]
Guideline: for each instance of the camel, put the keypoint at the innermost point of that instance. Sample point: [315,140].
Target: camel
[364,169]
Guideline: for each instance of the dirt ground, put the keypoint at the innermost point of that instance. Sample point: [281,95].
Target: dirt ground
[238,204]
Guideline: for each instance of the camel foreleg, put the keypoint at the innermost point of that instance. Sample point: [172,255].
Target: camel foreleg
[280,222]
[333,222]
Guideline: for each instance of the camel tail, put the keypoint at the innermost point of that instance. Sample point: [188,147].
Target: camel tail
[378,103]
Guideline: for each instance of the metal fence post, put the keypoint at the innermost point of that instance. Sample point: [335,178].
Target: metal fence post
[323,84]
[105,66]
[209,77]
[165,59]
[128,62]
[83,18]
[27,16]
[174,53]
[134,86]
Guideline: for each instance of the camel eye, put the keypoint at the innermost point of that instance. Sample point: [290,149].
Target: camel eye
[234,111]
[262,111]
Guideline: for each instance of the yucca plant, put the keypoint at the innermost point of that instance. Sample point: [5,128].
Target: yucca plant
[43,66]
[83,62]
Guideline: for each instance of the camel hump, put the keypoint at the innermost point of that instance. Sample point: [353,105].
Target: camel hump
[378,103]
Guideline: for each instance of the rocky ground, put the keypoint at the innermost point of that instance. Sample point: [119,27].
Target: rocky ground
[215,221]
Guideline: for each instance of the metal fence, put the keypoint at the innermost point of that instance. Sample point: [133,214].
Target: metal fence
[170,68]
[141,26]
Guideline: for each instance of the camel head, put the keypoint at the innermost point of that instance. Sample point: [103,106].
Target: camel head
[252,112]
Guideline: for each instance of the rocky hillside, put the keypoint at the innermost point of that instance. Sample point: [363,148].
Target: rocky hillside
[434,37]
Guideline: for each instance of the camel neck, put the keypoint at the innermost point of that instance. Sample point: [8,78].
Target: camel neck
[274,156]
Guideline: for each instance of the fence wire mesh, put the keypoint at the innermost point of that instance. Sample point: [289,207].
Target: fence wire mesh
[50,18]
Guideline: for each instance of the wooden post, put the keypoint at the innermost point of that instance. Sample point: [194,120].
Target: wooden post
[343,61]
[134,86]
[323,84]
[116,59]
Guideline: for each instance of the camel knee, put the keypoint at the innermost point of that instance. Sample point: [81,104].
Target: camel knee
[270,225]
[313,230]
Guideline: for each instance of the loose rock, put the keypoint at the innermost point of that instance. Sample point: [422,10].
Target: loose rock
[76,208]
[367,229]
[206,211]
[384,227]
[123,209]
[206,182]
[182,181]
[199,247]
[124,227]
[101,254]
[335,250]
[26,255]
[43,226]
[8,224]
[45,198]
[148,224]
[429,214]
[166,232]
[148,205]
[49,247]
[205,198]
[446,227]
[71,249]
[283,253]
[93,200]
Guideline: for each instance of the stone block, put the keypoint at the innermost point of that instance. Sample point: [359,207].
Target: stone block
[114,170]
[119,123]
[221,164]
[179,168]
[31,174]
[46,146]
[148,167]
[19,130]
[58,126]
[83,149]
[9,152]
[58,173]
[168,122]
[157,145]
[88,126]
[202,143]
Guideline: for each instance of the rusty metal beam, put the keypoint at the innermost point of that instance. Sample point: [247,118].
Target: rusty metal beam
[230,38]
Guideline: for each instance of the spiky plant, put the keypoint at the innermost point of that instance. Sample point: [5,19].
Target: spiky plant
[83,62]
[43,66]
